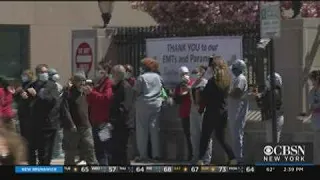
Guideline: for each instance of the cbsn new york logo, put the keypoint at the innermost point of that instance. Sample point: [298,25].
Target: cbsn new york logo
[284,153]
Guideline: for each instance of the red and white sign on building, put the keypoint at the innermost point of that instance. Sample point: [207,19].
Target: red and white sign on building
[83,55]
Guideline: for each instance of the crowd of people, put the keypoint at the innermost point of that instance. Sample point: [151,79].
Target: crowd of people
[93,119]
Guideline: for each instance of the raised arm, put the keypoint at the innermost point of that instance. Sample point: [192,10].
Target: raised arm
[101,97]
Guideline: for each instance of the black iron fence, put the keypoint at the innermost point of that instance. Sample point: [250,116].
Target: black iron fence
[130,43]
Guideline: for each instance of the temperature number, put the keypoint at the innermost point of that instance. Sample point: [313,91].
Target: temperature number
[139,169]
[249,169]
[167,169]
[84,169]
[194,169]
[112,169]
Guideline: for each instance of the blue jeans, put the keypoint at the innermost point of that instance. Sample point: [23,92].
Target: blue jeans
[102,149]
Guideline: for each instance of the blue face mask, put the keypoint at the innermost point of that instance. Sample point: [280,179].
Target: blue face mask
[44,77]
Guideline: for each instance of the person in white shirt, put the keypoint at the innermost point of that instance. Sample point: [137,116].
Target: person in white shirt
[238,107]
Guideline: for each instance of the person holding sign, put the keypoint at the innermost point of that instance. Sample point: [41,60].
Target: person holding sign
[238,107]
[182,97]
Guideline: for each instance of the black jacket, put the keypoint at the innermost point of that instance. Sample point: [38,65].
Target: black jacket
[214,98]
[24,105]
[45,107]
[264,103]
[74,109]
[120,107]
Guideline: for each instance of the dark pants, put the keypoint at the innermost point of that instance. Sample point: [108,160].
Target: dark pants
[216,122]
[28,132]
[73,140]
[45,144]
[119,146]
[186,130]
[31,137]
[102,148]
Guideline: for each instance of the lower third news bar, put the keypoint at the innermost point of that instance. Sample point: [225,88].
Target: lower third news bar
[38,169]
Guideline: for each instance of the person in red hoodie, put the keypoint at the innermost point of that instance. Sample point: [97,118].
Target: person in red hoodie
[99,98]
[6,100]
[182,97]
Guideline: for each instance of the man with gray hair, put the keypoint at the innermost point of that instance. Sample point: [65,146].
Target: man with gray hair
[77,130]
[120,109]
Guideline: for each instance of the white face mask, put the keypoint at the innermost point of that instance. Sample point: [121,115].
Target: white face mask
[56,77]
[24,78]
[43,77]
[185,78]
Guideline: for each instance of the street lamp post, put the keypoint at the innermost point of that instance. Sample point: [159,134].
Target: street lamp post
[106,9]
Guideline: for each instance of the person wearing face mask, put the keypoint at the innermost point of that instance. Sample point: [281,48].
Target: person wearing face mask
[238,107]
[148,106]
[129,74]
[119,115]
[24,99]
[181,97]
[99,99]
[263,100]
[57,149]
[77,131]
[195,117]
[45,112]
[213,103]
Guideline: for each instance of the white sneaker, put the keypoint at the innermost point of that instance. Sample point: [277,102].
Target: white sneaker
[233,162]
[81,163]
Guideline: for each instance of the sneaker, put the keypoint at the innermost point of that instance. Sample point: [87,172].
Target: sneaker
[155,160]
[200,163]
[81,163]
[233,162]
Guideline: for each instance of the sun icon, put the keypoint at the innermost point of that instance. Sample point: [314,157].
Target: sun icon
[185,169]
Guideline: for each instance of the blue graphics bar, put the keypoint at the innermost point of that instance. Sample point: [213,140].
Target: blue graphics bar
[38,169]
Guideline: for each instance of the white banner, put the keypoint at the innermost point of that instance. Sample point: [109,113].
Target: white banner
[173,53]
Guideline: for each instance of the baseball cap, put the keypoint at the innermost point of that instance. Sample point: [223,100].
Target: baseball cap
[79,76]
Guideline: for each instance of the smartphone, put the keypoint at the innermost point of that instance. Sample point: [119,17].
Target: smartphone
[210,61]
[89,82]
